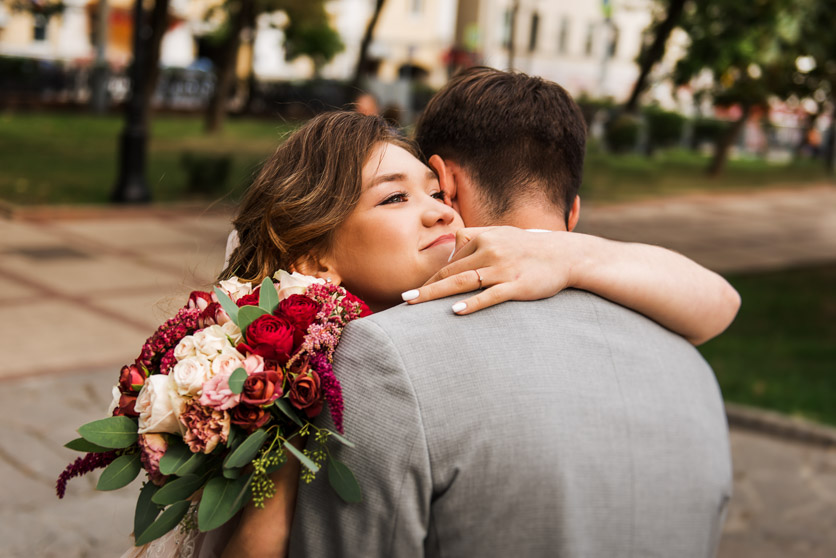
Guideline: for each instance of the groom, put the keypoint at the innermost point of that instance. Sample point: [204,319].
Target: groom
[563,427]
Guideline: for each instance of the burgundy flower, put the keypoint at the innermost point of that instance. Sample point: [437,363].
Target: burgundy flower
[271,337]
[199,300]
[364,309]
[262,388]
[248,417]
[205,427]
[301,311]
[152,447]
[249,300]
[305,393]
[131,379]
[126,406]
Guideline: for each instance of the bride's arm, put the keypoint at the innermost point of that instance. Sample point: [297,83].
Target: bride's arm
[515,264]
[265,532]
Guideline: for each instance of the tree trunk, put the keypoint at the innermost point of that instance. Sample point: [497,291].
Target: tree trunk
[651,55]
[721,148]
[241,15]
[830,144]
[512,34]
[158,25]
[363,57]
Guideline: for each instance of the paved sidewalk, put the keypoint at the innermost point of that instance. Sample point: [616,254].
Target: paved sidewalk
[80,292]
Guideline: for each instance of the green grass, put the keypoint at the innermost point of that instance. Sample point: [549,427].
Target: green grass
[61,158]
[780,353]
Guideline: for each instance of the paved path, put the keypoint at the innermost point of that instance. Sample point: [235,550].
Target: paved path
[80,292]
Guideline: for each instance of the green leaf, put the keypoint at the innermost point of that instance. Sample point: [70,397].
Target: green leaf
[285,407]
[343,481]
[246,451]
[121,472]
[226,303]
[146,510]
[268,298]
[80,444]
[341,439]
[167,521]
[247,315]
[222,498]
[112,432]
[175,456]
[231,473]
[237,379]
[177,489]
[306,461]
[191,465]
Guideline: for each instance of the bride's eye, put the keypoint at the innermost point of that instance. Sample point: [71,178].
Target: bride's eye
[394,198]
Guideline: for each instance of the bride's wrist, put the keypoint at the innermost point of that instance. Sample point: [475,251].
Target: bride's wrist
[579,252]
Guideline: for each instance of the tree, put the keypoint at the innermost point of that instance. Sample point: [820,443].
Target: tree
[652,52]
[744,48]
[363,56]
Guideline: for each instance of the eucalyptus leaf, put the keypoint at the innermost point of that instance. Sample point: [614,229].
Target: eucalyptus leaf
[268,297]
[344,482]
[226,303]
[167,521]
[120,472]
[341,439]
[306,461]
[111,432]
[80,444]
[146,510]
[191,465]
[247,315]
[287,409]
[247,450]
[231,473]
[177,489]
[222,498]
[175,456]
[236,380]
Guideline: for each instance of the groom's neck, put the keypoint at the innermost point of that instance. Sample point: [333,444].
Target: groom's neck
[529,216]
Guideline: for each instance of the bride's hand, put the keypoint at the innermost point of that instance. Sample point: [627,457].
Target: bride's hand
[507,262]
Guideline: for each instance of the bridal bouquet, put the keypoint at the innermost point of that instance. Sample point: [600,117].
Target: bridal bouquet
[217,393]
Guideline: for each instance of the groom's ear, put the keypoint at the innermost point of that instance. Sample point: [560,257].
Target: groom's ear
[446,178]
[317,266]
[574,214]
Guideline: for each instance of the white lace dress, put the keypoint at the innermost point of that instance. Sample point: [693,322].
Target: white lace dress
[186,544]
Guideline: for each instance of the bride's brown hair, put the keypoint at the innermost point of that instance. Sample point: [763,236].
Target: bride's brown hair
[304,191]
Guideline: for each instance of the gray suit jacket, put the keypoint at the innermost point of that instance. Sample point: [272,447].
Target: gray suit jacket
[565,427]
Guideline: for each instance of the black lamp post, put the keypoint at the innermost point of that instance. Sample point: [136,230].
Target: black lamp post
[131,185]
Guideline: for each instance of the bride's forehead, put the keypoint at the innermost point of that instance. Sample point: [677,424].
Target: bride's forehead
[387,158]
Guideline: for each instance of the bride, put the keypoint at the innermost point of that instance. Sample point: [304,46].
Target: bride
[347,199]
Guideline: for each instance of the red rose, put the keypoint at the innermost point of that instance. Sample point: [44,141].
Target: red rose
[364,309]
[301,311]
[248,417]
[199,300]
[248,300]
[305,393]
[131,379]
[262,388]
[271,337]
[126,406]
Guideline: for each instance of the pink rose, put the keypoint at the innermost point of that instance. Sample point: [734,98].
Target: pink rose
[216,393]
[152,447]
[253,363]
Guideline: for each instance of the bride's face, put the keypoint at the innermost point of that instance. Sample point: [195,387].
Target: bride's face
[400,233]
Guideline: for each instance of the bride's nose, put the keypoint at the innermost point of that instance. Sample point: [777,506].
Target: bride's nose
[437,213]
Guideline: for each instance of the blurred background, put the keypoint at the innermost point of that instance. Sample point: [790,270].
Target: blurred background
[129,129]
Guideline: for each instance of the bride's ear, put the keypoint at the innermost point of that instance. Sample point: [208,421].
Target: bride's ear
[574,214]
[320,267]
[446,178]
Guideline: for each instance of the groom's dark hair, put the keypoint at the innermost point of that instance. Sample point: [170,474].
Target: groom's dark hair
[512,133]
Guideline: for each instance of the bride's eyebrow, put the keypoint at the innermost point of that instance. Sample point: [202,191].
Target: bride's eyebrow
[391,177]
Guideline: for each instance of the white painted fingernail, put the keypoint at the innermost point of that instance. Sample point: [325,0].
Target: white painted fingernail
[410,295]
[459,306]
[451,254]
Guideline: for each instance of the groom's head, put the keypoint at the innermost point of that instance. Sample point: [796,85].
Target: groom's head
[509,143]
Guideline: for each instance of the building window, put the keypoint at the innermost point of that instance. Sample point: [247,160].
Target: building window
[563,37]
[613,46]
[589,47]
[39,29]
[506,28]
[535,27]
[417,7]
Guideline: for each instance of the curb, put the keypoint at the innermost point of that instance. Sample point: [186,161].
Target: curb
[780,426]
[40,213]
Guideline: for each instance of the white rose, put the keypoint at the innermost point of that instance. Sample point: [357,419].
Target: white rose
[233,332]
[235,288]
[227,362]
[115,403]
[159,407]
[211,341]
[185,348]
[189,375]
[294,283]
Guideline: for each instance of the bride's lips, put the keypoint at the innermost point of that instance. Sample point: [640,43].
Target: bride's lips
[440,240]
